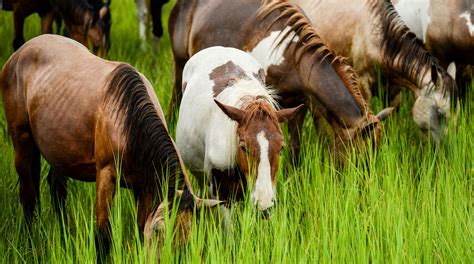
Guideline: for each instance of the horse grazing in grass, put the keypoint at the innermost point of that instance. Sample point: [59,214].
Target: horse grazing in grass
[370,32]
[85,115]
[149,12]
[447,29]
[87,21]
[297,63]
[240,142]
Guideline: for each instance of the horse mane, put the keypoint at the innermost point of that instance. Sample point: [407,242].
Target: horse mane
[258,107]
[310,41]
[149,148]
[398,39]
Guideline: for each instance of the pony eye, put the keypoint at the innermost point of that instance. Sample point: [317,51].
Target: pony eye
[243,147]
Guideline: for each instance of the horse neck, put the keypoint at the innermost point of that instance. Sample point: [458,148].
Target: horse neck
[402,53]
[337,95]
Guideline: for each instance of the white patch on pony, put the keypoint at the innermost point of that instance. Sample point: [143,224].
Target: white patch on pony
[264,193]
[268,52]
[416,16]
[467,15]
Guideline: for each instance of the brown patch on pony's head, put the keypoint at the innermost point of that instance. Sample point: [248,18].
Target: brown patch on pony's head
[225,76]
[258,121]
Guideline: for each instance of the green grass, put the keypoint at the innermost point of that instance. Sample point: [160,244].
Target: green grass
[403,203]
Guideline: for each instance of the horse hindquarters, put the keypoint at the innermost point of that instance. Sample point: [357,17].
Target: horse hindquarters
[27,155]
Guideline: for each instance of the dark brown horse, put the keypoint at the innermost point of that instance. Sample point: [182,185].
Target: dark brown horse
[87,21]
[84,116]
[297,62]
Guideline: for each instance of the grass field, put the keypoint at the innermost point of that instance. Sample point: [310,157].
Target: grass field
[404,203]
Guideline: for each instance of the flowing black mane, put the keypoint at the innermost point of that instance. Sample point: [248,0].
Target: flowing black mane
[149,148]
[400,45]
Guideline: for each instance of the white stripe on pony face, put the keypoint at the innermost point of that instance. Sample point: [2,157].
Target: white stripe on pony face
[267,51]
[470,27]
[263,194]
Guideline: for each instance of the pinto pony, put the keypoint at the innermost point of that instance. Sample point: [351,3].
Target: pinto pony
[82,122]
[240,142]
[298,65]
[370,32]
[87,21]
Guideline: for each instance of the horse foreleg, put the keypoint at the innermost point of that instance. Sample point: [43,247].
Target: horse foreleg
[295,126]
[177,90]
[47,20]
[142,15]
[105,190]
[27,162]
[18,20]
[155,10]
[58,189]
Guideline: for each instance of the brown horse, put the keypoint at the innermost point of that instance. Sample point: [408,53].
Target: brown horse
[82,122]
[296,61]
[87,21]
[370,32]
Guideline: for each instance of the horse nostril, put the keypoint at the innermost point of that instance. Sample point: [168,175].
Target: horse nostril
[266,213]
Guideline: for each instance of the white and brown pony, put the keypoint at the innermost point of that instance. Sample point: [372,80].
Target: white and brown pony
[447,29]
[228,129]
[297,63]
[369,33]
[85,115]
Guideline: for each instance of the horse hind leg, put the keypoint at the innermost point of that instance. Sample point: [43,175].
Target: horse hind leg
[58,189]
[27,162]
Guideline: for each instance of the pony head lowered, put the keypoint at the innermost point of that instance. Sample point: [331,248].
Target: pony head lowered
[260,141]
[90,24]
[435,85]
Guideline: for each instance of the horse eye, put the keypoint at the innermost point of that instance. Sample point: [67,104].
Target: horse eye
[242,147]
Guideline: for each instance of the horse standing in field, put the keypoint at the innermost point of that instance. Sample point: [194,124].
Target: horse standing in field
[446,28]
[240,142]
[370,32]
[83,114]
[87,21]
[296,62]
[149,12]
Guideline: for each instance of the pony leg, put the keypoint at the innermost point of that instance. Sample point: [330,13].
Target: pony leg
[144,205]
[177,90]
[105,190]
[295,126]
[142,15]
[27,162]
[155,10]
[58,189]
[47,20]
[18,21]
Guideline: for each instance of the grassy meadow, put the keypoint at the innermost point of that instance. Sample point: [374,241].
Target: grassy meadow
[403,203]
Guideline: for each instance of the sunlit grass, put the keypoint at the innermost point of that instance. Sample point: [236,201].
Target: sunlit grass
[405,202]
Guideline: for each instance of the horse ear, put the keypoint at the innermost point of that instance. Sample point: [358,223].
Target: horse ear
[103,11]
[385,113]
[155,221]
[232,112]
[434,73]
[209,203]
[452,69]
[288,113]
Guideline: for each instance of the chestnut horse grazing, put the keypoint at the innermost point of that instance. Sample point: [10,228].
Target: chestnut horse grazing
[83,114]
[295,60]
[369,33]
[240,142]
[87,21]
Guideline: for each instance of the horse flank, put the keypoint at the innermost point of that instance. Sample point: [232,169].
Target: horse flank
[148,145]
[310,41]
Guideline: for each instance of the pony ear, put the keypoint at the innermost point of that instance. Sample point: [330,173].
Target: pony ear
[103,11]
[209,203]
[232,112]
[385,113]
[434,73]
[452,70]
[288,113]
